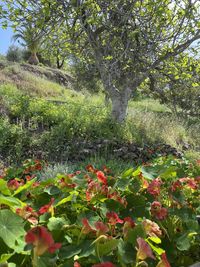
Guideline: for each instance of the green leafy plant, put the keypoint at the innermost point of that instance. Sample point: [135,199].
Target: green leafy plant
[145,217]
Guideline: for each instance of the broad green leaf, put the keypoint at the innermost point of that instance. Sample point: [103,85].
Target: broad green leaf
[106,247]
[56,223]
[52,190]
[69,251]
[148,174]
[87,249]
[5,257]
[126,252]
[11,201]
[134,233]
[24,187]
[183,242]
[4,188]
[12,230]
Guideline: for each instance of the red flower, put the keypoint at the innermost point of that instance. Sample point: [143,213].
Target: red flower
[158,211]
[192,184]
[76,264]
[164,262]
[113,218]
[104,264]
[86,226]
[144,250]
[42,240]
[176,185]
[154,187]
[101,177]
[46,208]
[101,228]
[14,184]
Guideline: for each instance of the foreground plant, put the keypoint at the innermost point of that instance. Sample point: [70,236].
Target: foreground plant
[146,217]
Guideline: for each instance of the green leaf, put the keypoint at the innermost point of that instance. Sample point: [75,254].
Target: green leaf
[24,187]
[147,174]
[107,247]
[4,188]
[87,249]
[11,201]
[56,223]
[134,233]
[183,242]
[12,230]
[155,239]
[5,257]
[52,190]
[69,251]
[127,173]
[126,252]
[67,199]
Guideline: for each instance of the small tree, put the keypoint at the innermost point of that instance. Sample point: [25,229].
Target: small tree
[14,54]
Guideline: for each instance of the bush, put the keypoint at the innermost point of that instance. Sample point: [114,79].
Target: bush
[14,54]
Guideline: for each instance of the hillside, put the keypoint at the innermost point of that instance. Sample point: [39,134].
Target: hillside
[41,107]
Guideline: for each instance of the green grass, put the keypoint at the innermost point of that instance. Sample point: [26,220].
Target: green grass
[148,105]
[116,166]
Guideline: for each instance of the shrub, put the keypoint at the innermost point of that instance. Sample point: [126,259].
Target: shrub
[14,54]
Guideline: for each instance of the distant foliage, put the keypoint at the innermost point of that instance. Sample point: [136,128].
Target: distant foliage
[177,85]
[14,54]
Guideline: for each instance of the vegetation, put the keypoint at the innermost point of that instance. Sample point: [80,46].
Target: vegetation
[43,112]
[101,106]
[126,41]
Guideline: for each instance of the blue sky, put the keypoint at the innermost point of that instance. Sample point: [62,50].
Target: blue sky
[5,39]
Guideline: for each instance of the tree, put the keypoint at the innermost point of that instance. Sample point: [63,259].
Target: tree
[177,84]
[31,38]
[127,39]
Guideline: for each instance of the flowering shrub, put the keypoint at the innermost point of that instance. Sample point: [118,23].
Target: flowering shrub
[146,217]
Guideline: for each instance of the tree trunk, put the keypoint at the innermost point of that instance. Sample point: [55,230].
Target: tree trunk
[33,59]
[60,64]
[120,105]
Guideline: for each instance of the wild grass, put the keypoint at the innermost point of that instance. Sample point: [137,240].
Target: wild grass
[116,167]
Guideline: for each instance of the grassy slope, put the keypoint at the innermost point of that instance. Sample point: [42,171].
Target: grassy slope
[148,121]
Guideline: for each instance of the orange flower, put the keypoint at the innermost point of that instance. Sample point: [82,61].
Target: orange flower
[42,240]
[144,250]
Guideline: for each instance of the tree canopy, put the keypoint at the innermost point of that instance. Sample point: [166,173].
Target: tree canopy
[126,39]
